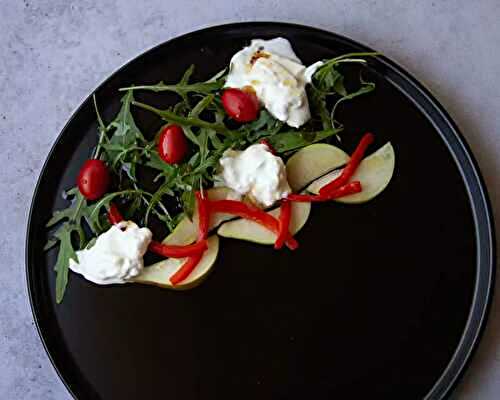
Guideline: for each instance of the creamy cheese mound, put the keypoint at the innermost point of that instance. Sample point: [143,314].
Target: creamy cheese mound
[277,76]
[116,256]
[255,172]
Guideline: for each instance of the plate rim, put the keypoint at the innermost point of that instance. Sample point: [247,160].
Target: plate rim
[479,200]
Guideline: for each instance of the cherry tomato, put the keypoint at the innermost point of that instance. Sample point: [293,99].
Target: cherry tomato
[241,105]
[93,179]
[172,145]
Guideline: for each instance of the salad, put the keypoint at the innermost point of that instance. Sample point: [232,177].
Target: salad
[242,155]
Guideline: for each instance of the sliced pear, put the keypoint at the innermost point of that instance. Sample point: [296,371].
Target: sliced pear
[374,173]
[186,231]
[159,274]
[312,162]
[253,232]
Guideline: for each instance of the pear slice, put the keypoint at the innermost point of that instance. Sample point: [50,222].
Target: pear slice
[159,274]
[374,173]
[251,231]
[186,231]
[312,162]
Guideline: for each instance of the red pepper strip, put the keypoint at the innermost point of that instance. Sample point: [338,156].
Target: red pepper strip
[269,145]
[284,223]
[193,260]
[186,269]
[203,217]
[178,251]
[254,214]
[351,166]
[346,190]
[114,215]
[306,198]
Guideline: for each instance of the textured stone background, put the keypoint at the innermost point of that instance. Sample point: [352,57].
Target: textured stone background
[53,53]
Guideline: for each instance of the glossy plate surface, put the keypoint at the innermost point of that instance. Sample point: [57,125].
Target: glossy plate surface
[382,300]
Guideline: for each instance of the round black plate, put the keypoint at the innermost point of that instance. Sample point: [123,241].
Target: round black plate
[384,300]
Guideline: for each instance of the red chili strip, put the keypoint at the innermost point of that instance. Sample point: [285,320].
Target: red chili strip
[114,215]
[351,166]
[178,251]
[284,223]
[183,272]
[346,190]
[192,261]
[243,210]
[307,198]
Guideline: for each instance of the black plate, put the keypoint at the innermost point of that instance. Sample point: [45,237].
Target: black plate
[383,300]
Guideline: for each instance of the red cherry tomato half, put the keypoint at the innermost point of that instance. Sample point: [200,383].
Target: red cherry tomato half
[240,105]
[172,145]
[93,179]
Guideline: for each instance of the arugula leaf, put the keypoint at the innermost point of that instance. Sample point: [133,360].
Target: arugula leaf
[218,110]
[66,253]
[202,105]
[100,122]
[166,188]
[101,128]
[351,57]
[264,126]
[50,243]
[293,140]
[326,78]
[318,102]
[214,140]
[104,203]
[187,75]
[181,108]
[328,81]
[156,162]
[221,75]
[188,202]
[58,216]
[126,129]
[127,146]
[70,221]
[171,117]
[183,88]
[339,86]
[190,134]
[366,87]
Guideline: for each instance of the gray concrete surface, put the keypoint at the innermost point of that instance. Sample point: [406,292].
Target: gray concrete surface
[54,52]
